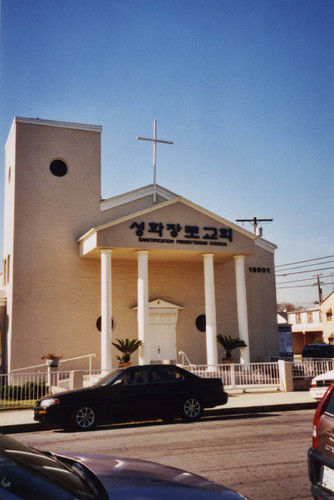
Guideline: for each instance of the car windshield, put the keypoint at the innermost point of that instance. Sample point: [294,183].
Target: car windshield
[30,474]
[109,378]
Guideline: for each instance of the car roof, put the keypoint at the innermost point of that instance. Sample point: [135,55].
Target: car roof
[325,376]
[157,365]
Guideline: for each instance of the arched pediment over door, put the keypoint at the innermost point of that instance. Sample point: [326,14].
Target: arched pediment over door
[163,318]
[162,330]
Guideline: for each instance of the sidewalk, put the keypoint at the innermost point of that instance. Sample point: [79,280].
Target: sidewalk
[16,421]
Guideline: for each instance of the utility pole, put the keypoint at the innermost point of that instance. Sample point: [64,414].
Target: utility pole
[319,287]
[254,222]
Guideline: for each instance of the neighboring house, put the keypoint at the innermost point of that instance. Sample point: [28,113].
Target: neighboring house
[327,308]
[306,327]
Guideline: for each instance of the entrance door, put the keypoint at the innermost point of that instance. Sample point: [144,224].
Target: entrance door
[162,330]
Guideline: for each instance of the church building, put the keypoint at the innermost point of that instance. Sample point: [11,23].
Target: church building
[80,272]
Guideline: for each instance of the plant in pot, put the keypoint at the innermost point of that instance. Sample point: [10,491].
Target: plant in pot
[229,344]
[52,360]
[126,347]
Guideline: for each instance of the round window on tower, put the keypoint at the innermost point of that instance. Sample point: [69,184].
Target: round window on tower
[58,168]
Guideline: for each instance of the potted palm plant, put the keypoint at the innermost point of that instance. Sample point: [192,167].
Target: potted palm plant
[126,347]
[229,344]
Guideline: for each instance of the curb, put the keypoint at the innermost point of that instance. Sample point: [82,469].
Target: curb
[18,428]
[261,409]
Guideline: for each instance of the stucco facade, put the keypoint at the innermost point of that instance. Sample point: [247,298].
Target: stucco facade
[56,230]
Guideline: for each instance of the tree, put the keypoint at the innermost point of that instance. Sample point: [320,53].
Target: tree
[229,343]
[285,307]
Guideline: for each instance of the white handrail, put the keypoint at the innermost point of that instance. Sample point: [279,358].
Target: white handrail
[90,356]
[183,354]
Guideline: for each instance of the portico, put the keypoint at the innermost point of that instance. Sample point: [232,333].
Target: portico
[174,247]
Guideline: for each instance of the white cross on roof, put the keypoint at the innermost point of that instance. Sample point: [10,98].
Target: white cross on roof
[155,141]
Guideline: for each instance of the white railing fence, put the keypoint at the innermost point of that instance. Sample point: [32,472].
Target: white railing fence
[241,376]
[312,368]
[24,389]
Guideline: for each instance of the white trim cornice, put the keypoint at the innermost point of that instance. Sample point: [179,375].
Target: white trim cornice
[52,123]
[266,245]
[59,124]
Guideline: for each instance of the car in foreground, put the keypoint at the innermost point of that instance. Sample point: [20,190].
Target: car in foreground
[133,393]
[321,454]
[320,384]
[30,474]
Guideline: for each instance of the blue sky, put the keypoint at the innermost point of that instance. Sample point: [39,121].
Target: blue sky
[244,88]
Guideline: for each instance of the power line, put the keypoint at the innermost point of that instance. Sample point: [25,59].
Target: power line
[296,281]
[307,271]
[308,260]
[302,286]
[306,265]
[305,279]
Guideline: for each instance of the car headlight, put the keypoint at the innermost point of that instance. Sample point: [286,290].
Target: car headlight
[49,402]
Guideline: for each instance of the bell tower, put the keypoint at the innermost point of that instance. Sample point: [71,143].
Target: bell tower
[52,195]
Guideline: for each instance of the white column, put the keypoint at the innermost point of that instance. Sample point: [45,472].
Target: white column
[142,312]
[210,310]
[242,306]
[106,310]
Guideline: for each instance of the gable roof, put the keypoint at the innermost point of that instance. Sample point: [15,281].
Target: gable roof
[158,206]
[329,298]
[135,195]
[171,198]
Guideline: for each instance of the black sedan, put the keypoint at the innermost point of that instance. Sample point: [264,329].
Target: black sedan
[158,391]
[29,474]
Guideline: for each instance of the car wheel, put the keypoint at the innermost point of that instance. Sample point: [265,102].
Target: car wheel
[84,418]
[192,409]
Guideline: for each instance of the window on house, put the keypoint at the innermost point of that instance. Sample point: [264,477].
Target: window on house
[298,318]
[309,317]
[329,315]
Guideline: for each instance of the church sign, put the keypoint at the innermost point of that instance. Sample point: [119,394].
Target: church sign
[158,232]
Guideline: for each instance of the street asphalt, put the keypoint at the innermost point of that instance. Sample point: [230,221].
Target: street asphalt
[16,421]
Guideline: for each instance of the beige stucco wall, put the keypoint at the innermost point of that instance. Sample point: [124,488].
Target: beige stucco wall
[67,324]
[261,299]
